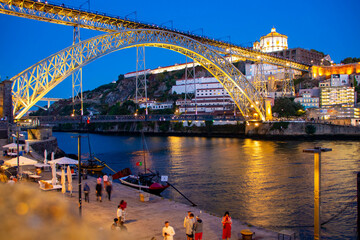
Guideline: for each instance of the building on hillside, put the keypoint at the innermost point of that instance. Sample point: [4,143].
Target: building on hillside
[174,67]
[271,42]
[6,111]
[337,96]
[153,105]
[211,98]
[302,55]
[315,92]
[325,83]
[308,101]
[336,115]
[338,80]
[277,44]
[356,77]
[133,74]
[273,75]
[158,70]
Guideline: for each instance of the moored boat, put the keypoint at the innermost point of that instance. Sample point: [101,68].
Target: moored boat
[147,182]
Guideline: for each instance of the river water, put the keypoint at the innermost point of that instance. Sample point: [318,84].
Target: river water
[263,183]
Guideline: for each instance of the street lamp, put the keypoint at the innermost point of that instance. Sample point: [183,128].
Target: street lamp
[17,136]
[317,187]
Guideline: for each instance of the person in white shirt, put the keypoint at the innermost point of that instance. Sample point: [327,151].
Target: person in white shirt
[120,214]
[168,231]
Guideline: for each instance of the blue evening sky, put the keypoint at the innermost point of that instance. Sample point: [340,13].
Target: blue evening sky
[332,27]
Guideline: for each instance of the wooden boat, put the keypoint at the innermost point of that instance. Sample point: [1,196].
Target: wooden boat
[92,166]
[147,182]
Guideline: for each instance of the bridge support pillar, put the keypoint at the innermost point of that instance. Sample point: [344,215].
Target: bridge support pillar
[77,94]
[141,85]
[268,114]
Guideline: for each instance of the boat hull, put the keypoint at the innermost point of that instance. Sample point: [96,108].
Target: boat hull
[156,190]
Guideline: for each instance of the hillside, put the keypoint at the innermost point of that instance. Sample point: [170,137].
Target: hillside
[116,98]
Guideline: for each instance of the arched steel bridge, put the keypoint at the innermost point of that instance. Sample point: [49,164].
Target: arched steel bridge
[35,82]
[97,21]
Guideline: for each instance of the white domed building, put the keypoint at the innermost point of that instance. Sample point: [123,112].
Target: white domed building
[271,42]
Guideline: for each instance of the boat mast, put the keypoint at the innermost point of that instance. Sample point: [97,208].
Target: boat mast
[89,146]
[143,146]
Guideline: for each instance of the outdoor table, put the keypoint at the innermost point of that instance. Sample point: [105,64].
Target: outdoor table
[35,177]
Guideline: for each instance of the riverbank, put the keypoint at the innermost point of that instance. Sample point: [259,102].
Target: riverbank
[256,130]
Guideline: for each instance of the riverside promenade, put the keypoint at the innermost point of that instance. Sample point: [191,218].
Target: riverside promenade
[145,220]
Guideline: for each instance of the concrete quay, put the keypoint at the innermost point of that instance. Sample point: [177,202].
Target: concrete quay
[144,220]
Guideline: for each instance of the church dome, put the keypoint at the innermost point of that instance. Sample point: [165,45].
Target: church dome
[273,42]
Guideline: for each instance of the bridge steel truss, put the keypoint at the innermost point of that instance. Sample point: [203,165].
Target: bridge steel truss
[35,82]
[92,20]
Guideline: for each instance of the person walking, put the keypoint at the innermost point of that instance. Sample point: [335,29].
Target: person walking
[189,226]
[98,189]
[168,232]
[226,222]
[108,190]
[105,178]
[198,228]
[87,192]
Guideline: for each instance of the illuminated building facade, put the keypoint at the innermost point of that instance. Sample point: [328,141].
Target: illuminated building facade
[211,98]
[340,96]
[308,101]
[271,42]
[336,115]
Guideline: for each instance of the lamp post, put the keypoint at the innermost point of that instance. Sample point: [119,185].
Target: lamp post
[317,187]
[79,169]
[17,136]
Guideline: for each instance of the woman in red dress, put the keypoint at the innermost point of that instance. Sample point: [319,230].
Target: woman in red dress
[226,222]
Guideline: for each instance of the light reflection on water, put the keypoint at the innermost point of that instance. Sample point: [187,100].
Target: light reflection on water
[264,183]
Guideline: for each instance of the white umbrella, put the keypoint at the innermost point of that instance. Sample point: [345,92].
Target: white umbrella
[69,177]
[45,156]
[64,160]
[22,161]
[63,189]
[53,172]
[52,156]
[27,147]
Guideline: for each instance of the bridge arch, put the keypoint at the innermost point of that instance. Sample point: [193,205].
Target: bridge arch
[32,84]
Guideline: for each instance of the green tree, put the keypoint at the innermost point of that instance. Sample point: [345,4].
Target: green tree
[286,107]
[350,60]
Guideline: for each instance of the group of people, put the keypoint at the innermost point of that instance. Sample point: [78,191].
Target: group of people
[118,223]
[98,188]
[194,227]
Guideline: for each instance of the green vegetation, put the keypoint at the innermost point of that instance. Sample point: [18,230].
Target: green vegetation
[178,126]
[164,126]
[313,50]
[279,126]
[286,107]
[310,129]
[126,108]
[350,60]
